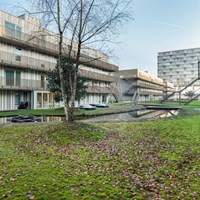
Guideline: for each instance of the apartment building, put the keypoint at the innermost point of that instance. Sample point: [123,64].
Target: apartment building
[138,85]
[179,67]
[27,52]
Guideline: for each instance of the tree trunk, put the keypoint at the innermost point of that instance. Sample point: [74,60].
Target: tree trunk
[62,84]
[74,83]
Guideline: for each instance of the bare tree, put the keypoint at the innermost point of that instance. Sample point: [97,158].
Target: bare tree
[190,94]
[86,23]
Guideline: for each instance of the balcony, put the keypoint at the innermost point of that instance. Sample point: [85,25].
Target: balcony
[97,76]
[143,92]
[156,87]
[151,93]
[22,84]
[27,40]
[35,43]
[99,90]
[9,59]
[135,85]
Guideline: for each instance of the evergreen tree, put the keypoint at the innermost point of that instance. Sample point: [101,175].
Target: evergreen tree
[53,80]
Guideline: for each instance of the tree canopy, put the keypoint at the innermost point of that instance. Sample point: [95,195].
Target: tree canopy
[53,80]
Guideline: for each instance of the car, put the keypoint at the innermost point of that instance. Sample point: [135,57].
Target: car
[87,107]
[102,105]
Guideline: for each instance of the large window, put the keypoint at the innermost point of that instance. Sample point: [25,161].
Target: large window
[13,30]
[10,77]
[10,29]
[13,78]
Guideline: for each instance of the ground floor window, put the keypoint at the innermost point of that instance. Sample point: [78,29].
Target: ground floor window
[104,99]
[17,99]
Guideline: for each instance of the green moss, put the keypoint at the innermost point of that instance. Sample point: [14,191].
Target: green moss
[129,160]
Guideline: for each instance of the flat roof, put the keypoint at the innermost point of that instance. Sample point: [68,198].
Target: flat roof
[179,50]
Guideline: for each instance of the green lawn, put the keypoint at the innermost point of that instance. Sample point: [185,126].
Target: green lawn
[194,104]
[113,108]
[130,160]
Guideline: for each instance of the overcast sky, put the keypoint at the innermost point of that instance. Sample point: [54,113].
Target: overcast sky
[159,25]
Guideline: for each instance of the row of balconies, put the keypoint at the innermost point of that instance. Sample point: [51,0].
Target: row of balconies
[97,76]
[179,68]
[181,59]
[24,62]
[180,71]
[151,93]
[22,84]
[143,86]
[27,84]
[177,71]
[9,59]
[142,92]
[99,90]
[156,87]
[32,42]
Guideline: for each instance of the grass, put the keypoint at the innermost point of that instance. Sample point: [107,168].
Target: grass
[194,104]
[129,160]
[113,108]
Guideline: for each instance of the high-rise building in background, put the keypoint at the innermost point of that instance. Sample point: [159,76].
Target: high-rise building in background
[179,67]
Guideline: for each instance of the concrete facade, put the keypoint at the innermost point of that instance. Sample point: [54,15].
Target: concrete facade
[27,52]
[138,85]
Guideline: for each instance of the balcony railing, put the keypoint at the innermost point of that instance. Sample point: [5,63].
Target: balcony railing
[22,84]
[156,87]
[36,43]
[147,93]
[28,39]
[99,90]
[25,62]
[96,76]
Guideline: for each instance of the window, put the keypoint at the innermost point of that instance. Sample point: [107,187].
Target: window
[18,54]
[45,96]
[84,52]
[13,78]
[10,77]
[17,99]
[10,29]
[18,32]
[42,80]
[18,78]
[88,99]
